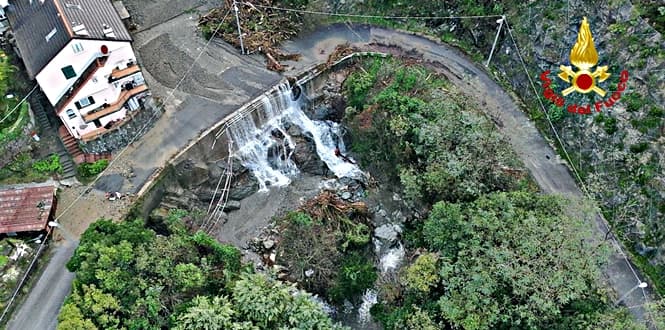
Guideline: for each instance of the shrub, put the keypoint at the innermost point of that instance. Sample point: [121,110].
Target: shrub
[356,275]
[4,260]
[300,218]
[88,170]
[610,125]
[633,101]
[639,147]
[49,165]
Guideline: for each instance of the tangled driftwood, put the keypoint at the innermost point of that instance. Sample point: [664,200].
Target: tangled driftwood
[263,29]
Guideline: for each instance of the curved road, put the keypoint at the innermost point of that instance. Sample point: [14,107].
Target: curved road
[44,301]
[552,175]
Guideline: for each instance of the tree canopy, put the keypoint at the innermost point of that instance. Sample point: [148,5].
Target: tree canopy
[492,253]
[425,134]
[129,277]
[510,258]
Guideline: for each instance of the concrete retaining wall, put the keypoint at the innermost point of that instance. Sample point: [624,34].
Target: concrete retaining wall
[213,144]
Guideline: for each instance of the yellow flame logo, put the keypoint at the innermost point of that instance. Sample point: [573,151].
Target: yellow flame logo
[584,56]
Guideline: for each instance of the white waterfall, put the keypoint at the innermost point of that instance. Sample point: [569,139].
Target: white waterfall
[392,258]
[370,298]
[252,144]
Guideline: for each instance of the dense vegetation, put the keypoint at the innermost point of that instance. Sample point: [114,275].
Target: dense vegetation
[492,252]
[420,129]
[130,277]
[617,154]
[23,168]
[12,118]
[88,170]
[48,165]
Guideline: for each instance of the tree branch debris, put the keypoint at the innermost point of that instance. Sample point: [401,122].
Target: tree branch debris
[263,29]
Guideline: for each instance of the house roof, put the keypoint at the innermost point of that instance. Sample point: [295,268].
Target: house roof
[25,207]
[43,27]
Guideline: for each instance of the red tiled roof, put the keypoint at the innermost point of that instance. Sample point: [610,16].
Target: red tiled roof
[25,207]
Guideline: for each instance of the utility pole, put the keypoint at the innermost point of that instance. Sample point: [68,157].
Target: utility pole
[235,8]
[500,21]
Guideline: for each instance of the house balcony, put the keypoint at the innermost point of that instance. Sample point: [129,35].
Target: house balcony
[112,126]
[117,74]
[107,109]
[80,82]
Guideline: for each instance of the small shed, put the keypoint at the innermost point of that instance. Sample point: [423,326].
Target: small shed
[27,207]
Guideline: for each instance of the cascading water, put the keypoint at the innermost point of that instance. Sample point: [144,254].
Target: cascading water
[392,258]
[253,145]
[370,298]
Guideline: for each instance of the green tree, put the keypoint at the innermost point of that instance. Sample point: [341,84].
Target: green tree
[128,277]
[423,274]
[71,318]
[511,259]
[260,300]
[430,139]
[356,275]
[207,314]
[102,308]
[417,320]
[6,73]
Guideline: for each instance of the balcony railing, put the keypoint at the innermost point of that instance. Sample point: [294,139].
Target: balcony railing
[111,108]
[80,82]
[119,74]
[95,134]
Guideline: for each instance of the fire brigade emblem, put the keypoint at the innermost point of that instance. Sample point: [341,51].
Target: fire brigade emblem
[584,57]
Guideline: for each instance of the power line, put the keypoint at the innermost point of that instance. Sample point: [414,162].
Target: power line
[19,104]
[25,275]
[368,16]
[136,136]
[149,121]
[563,148]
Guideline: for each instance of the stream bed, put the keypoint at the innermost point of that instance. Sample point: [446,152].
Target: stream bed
[276,166]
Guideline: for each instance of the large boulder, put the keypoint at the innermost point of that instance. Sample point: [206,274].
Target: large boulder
[191,174]
[232,205]
[387,232]
[305,157]
[243,186]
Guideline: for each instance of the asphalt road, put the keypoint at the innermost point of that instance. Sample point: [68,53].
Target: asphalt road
[210,93]
[40,309]
[206,101]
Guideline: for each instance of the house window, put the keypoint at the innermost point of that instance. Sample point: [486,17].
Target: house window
[84,102]
[71,114]
[77,47]
[69,72]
